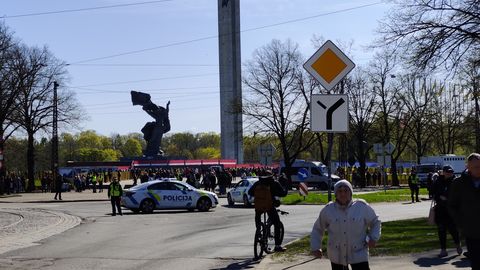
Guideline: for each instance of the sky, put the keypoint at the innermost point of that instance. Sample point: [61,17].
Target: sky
[178,49]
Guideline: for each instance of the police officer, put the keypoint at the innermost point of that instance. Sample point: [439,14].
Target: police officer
[94,182]
[114,193]
[100,180]
[413,184]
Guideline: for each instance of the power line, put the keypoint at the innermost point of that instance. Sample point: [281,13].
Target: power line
[184,97]
[171,109]
[216,36]
[96,91]
[145,65]
[149,80]
[83,9]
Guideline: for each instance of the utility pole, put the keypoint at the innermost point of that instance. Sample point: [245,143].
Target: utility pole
[55,133]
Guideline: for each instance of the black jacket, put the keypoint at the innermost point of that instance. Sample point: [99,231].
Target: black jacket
[441,188]
[464,205]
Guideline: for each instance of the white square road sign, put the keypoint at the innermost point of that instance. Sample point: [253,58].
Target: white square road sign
[329,113]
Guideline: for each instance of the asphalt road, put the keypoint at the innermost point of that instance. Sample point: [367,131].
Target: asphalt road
[219,239]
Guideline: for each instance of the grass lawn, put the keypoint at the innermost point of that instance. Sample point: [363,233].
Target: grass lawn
[393,195]
[398,237]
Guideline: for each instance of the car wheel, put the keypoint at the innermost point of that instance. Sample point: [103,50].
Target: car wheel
[230,200]
[246,202]
[204,204]
[147,206]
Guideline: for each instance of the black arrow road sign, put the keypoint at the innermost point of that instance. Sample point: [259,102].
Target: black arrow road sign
[330,111]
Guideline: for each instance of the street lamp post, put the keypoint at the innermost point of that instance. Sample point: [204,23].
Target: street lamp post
[55,133]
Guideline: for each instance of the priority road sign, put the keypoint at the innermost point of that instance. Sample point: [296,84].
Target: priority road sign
[389,148]
[329,65]
[329,113]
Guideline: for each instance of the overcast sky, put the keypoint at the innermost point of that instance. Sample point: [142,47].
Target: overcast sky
[186,73]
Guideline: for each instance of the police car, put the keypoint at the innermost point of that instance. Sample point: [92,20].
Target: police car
[240,192]
[167,194]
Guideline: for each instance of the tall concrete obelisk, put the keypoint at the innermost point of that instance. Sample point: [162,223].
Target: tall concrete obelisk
[230,79]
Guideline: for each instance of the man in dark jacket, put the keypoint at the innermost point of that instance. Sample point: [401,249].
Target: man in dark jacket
[58,187]
[413,185]
[441,190]
[464,207]
[276,190]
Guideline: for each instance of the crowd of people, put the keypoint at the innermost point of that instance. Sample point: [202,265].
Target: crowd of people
[12,183]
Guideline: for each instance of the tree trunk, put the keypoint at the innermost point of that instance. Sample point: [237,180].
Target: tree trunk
[395,181]
[31,163]
[477,123]
[3,170]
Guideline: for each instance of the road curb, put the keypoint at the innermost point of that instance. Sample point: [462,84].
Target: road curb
[265,261]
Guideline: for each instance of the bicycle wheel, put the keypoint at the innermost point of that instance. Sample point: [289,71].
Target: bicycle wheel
[282,232]
[258,243]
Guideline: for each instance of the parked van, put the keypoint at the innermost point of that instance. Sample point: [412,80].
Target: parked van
[317,173]
[433,164]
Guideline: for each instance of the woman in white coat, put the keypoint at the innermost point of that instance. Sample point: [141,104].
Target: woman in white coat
[352,227]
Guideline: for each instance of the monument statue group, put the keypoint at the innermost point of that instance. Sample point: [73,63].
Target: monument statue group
[152,131]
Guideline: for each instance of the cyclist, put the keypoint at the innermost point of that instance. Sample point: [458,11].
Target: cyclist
[264,192]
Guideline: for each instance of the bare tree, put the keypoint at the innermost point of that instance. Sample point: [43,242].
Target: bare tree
[277,97]
[470,79]
[8,93]
[418,98]
[381,73]
[433,32]
[449,107]
[362,116]
[36,72]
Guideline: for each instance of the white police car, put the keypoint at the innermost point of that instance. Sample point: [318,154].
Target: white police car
[167,194]
[239,193]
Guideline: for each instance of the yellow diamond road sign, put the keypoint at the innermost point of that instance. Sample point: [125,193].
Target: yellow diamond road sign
[329,65]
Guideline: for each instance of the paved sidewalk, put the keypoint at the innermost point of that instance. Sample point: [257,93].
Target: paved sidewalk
[72,196]
[404,262]
[24,227]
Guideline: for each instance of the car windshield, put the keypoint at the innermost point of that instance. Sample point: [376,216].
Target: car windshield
[139,186]
[426,168]
[188,186]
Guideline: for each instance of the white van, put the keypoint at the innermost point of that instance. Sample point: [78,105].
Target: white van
[317,173]
[435,163]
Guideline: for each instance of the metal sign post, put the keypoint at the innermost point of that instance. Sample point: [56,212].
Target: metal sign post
[329,155]
[383,150]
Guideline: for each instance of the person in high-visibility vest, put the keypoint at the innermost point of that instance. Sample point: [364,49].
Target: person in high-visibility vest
[413,184]
[94,182]
[114,193]
[100,182]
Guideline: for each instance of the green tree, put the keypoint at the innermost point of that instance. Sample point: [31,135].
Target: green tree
[131,148]
[207,153]
[89,139]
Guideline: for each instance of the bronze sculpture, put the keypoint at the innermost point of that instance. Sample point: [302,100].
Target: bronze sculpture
[152,131]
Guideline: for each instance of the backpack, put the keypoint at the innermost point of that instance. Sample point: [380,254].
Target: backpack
[263,198]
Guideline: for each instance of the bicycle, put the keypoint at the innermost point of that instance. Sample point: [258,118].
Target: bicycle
[264,238]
